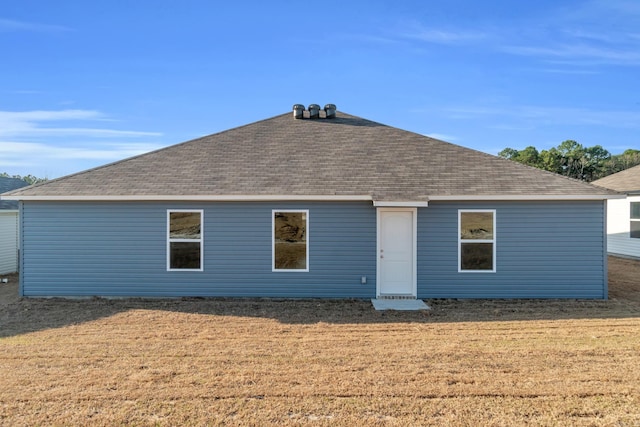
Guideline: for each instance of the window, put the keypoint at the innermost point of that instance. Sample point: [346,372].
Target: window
[477,240]
[634,225]
[184,240]
[290,240]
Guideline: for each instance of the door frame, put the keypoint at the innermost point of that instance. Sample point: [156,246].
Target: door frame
[414,285]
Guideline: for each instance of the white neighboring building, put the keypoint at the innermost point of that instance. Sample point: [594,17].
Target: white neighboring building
[9,241]
[9,244]
[623,215]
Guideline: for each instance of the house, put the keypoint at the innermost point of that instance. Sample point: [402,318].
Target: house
[9,242]
[317,203]
[623,215]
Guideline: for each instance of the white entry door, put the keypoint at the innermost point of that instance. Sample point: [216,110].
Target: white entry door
[396,252]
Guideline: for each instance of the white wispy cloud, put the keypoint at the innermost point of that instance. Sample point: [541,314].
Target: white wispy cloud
[579,53]
[619,9]
[441,36]
[568,71]
[15,124]
[541,115]
[367,38]
[52,161]
[44,115]
[41,140]
[591,34]
[9,25]
[91,132]
[414,33]
[39,153]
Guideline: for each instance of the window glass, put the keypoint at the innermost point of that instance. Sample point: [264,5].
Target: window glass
[635,210]
[185,255]
[476,225]
[290,240]
[476,256]
[476,240]
[184,225]
[635,230]
[185,240]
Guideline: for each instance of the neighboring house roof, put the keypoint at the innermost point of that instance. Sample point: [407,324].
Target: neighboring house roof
[346,157]
[8,184]
[626,181]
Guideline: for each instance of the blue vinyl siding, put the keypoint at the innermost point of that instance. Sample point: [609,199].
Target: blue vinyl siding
[544,250]
[119,249]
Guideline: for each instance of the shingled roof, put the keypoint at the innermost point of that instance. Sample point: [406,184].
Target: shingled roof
[626,181]
[346,156]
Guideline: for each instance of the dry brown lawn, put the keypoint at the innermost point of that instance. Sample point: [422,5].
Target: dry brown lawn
[262,362]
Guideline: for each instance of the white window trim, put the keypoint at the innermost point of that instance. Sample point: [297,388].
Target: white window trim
[170,240]
[493,241]
[273,242]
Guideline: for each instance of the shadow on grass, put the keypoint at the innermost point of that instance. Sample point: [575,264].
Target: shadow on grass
[19,316]
[30,315]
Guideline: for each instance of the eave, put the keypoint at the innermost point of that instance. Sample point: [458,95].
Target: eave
[319,198]
[522,198]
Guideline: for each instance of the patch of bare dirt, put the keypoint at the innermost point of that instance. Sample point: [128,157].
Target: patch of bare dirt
[624,279]
[624,300]
[9,290]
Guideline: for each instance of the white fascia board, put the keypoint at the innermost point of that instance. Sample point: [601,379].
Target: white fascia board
[525,198]
[199,198]
[384,204]
[320,198]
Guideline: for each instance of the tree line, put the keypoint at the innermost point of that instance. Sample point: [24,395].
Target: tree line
[30,179]
[574,160]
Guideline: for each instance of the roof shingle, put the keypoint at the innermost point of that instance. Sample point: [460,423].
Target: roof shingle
[347,156]
[626,181]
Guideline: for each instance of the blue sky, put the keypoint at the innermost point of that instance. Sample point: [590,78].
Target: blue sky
[84,83]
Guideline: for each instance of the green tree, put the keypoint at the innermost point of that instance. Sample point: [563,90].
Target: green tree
[528,156]
[572,159]
[571,153]
[27,178]
[509,153]
[629,158]
[551,160]
[594,162]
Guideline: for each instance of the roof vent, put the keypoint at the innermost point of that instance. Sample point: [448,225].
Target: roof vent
[298,111]
[314,111]
[330,111]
